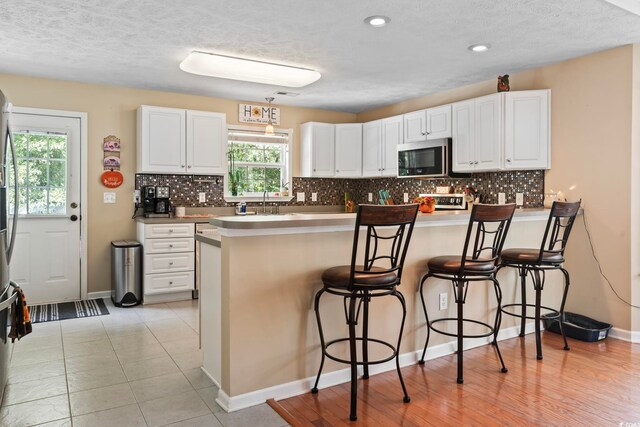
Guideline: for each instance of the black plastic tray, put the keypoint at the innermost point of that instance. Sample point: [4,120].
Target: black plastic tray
[579,327]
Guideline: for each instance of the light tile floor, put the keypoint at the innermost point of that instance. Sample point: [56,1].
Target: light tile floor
[135,367]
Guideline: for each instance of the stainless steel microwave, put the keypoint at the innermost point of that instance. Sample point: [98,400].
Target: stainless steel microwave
[424,159]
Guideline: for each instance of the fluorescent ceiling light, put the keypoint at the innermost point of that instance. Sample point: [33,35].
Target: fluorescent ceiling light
[229,67]
[479,47]
[377,20]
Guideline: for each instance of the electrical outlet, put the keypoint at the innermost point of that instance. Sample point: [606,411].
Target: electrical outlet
[443,301]
[442,190]
[370,197]
[136,197]
[109,197]
[502,198]
[300,197]
[406,197]
[314,197]
[202,197]
[519,199]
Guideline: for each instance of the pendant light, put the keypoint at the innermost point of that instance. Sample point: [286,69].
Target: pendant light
[269,129]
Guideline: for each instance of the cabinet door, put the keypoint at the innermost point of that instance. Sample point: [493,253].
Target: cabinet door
[391,137]
[488,137]
[463,133]
[349,150]
[527,139]
[161,140]
[322,151]
[206,142]
[371,148]
[415,126]
[439,122]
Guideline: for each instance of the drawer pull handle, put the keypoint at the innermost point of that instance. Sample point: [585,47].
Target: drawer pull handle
[171,263]
[170,246]
[171,283]
[171,230]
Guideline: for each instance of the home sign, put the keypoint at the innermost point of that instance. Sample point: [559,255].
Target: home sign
[258,114]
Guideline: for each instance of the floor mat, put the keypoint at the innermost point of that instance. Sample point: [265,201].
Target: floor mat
[67,310]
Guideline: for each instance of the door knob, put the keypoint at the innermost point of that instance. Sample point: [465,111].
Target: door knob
[73,217]
[74,205]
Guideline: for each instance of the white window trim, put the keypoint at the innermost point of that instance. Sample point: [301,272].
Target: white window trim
[271,199]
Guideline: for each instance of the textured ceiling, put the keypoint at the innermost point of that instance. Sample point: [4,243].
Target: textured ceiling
[424,50]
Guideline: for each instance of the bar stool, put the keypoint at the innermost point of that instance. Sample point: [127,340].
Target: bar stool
[491,224]
[536,262]
[388,232]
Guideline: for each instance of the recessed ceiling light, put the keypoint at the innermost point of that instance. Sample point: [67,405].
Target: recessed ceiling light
[377,20]
[229,67]
[479,47]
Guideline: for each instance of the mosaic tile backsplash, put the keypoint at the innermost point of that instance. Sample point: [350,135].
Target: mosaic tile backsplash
[185,188]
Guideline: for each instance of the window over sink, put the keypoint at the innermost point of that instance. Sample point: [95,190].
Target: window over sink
[259,165]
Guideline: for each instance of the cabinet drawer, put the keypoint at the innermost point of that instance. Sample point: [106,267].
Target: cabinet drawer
[166,263]
[158,246]
[168,230]
[168,282]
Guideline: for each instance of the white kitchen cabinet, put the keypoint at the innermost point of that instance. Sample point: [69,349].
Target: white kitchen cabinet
[348,160]
[424,125]
[526,137]
[415,126]
[172,140]
[439,122]
[380,139]
[169,261]
[477,137]
[317,149]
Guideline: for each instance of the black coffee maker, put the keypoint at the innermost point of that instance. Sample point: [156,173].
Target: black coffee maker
[156,201]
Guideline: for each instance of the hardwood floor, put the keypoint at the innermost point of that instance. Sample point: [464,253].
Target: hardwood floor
[593,384]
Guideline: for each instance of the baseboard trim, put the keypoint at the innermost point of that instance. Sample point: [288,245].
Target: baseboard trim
[100,294]
[624,335]
[329,379]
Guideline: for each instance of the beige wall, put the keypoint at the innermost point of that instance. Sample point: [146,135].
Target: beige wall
[635,190]
[112,111]
[591,141]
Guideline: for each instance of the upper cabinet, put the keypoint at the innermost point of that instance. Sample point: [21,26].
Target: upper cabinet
[317,149]
[423,125]
[173,140]
[508,130]
[348,150]
[380,139]
[526,133]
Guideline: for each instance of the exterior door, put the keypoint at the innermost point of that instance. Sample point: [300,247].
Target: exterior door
[46,259]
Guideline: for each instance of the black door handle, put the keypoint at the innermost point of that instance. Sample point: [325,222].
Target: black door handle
[74,217]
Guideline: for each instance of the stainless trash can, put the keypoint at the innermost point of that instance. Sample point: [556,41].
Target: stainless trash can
[126,273]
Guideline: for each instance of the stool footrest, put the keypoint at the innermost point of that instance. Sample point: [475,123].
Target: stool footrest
[553,313]
[455,319]
[358,362]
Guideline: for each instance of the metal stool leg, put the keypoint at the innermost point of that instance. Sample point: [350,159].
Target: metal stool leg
[496,327]
[523,286]
[353,357]
[538,287]
[398,295]
[426,315]
[316,307]
[365,335]
[460,301]
[564,300]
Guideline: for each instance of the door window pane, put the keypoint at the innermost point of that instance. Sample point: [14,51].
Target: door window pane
[42,173]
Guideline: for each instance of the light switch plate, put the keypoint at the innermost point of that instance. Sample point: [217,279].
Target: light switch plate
[502,198]
[406,197]
[202,197]
[442,190]
[300,197]
[370,197]
[136,196]
[519,199]
[314,197]
[109,197]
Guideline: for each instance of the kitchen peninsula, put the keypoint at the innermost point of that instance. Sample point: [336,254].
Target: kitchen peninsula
[258,327]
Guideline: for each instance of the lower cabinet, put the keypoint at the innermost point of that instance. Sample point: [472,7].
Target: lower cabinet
[169,261]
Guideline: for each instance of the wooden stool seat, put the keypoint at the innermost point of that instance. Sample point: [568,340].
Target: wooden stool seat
[450,264]
[527,256]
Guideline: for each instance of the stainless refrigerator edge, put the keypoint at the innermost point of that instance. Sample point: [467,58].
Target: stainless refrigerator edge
[6,243]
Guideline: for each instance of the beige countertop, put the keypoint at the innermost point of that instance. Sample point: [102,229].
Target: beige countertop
[177,220]
[231,225]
